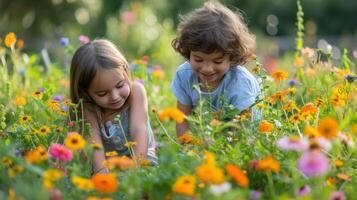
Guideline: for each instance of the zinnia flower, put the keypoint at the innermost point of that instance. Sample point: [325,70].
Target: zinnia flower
[60,152]
[279,75]
[185,185]
[105,183]
[313,163]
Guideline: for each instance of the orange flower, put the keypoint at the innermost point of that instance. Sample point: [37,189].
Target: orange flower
[19,101]
[121,163]
[354,129]
[299,62]
[185,138]
[210,174]
[280,75]
[105,183]
[237,174]
[295,118]
[328,127]
[265,127]
[215,122]
[338,163]
[20,44]
[172,113]
[268,164]
[309,108]
[185,185]
[10,39]
[343,176]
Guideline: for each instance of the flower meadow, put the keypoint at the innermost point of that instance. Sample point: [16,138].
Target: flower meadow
[301,147]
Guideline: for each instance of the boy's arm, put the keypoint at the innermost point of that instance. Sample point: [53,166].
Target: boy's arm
[182,128]
[138,120]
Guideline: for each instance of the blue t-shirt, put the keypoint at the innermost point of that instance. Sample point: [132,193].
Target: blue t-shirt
[238,88]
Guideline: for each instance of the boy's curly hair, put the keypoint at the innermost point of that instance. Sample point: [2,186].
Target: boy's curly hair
[212,28]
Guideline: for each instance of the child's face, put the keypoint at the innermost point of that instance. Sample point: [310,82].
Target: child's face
[109,89]
[210,68]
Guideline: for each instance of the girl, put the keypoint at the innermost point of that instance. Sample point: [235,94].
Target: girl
[100,76]
[215,41]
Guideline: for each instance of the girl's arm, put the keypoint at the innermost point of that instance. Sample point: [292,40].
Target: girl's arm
[138,120]
[98,155]
[182,128]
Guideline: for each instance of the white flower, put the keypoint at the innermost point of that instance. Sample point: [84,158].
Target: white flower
[220,189]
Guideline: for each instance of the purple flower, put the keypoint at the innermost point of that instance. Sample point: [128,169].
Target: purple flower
[313,163]
[350,78]
[292,82]
[337,195]
[293,143]
[134,66]
[150,70]
[58,97]
[84,39]
[304,190]
[17,152]
[255,195]
[22,71]
[64,41]
[41,89]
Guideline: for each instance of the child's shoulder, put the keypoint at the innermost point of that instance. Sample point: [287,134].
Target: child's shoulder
[184,68]
[241,72]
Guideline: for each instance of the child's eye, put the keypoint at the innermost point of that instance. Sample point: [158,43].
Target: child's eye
[217,62]
[102,94]
[120,86]
[198,60]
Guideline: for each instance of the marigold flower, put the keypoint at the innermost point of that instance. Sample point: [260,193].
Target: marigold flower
[172,113]
[311,131]
[210,158]
[280,75]
[19,101]
[74,141]
[237,174]
[105,183]
[10,39]
[82,183]
[210,174]
[328,127]
[265,127]
[268,164]
[338,163]
[185,138]
[185,185]
[121,163]
[309,108]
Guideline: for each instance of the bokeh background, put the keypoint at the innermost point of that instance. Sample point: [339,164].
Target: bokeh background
[147,27]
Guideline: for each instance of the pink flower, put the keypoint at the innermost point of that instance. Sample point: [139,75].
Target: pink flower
[337,195]
[304,190]
[128,17]
[293,143]
[313,163]
[60,152]
[84,39]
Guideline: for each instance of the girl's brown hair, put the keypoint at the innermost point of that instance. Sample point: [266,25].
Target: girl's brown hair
[212,28]
[87,60]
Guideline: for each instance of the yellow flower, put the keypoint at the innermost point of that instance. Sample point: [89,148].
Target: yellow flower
[295,118]
[158,73]
[311,131]
[19,101]
[280,75]
[210,158]
[328,127]
[130,144]
[111,153]
[82,183]
[52,174]
[53,104]
[15,170]
[185,185]
[37,95]
[265,127]
[74,141]
[10,39]
[44,130]
[24,119]
[354,128]
[6,161]
[338,163]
